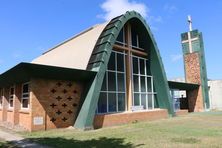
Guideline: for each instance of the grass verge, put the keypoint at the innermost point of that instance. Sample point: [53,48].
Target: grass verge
[193,130]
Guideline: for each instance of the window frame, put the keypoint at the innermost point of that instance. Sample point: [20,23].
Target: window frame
[147,93]
[140,92]
[135,35]
[117,92]
[124,38]
[25,98]
[11,97]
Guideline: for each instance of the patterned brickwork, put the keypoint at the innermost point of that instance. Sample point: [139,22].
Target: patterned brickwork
[193,75]
[192,67]
[56,101]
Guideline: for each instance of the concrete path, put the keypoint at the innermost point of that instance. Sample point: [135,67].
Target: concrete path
[18,140]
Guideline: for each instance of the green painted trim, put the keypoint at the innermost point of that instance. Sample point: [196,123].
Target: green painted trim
[99,61]
[203,73]
[25,71]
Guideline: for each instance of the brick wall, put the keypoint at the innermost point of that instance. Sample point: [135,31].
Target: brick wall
[192,69]
[10,116]
[1,114]
[181,112]
[17,103]
[9,111]
[105,120]
[5,104]
[54,102]
[14,117]
[25,120]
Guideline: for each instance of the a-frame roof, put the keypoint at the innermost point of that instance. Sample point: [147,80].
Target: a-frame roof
[73,53]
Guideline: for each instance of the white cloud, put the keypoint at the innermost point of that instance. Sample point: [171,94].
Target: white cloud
[155,19]
[170,8]
[176,57]
[113,8]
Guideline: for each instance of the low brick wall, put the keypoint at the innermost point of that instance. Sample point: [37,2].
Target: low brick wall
[25,120]
[105,120]
[181,112]
[1,115]
[10,116]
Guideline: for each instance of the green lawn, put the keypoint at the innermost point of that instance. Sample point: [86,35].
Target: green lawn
[194,130]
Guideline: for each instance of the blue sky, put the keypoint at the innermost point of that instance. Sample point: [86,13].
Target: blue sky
[28,28]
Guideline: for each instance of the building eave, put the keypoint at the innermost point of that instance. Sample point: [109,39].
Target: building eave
[23,72]
[182,85]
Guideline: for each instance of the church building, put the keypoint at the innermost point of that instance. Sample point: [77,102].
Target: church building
[109,74]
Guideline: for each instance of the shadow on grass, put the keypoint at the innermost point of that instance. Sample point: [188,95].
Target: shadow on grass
[103,142]
[186,140]
[6,144]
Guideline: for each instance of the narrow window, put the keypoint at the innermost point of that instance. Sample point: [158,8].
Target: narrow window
[25,95]
[121,38]
[143,94]
[113,92]
[137,42]
[11,96]
[135,38]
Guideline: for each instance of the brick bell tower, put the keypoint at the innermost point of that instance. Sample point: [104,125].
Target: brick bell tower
[195,68]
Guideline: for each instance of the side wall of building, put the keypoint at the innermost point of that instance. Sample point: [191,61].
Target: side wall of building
[14,117]
[52,104]
[215,94]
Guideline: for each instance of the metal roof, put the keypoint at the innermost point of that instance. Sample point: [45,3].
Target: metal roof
[182,85]
[23,72]
[74,52]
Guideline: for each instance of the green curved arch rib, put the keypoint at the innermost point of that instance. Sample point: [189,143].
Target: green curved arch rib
[99,60]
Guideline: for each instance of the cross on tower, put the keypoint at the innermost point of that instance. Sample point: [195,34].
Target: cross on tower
[190,22]
[189,41]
